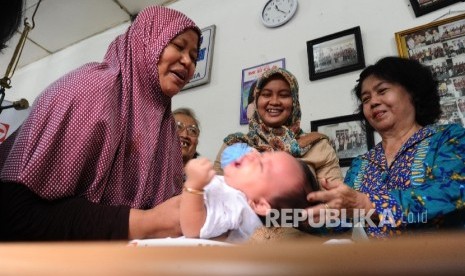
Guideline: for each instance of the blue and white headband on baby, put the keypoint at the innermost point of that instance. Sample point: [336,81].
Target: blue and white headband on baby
[234,152]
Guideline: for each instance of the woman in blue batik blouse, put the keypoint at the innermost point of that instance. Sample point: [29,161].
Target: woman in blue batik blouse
[414,178]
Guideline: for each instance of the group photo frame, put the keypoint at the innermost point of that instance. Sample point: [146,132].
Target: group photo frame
[422,7]
[440,46]
[335,54]
[346,135]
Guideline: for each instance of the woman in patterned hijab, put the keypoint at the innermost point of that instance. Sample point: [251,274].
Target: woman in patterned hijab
[104,134]
[275,126]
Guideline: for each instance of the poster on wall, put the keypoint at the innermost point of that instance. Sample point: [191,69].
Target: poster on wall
[204,60]
[249,77]
[4,127]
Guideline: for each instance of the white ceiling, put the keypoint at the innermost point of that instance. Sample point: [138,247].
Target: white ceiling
[61,23]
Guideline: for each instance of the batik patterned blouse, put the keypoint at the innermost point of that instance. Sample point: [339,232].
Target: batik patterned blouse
[422,187]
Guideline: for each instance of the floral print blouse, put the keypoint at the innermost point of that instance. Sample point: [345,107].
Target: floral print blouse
[424,186]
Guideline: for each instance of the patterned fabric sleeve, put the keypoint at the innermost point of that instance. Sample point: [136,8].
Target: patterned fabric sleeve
[436,188]
[441,191]
[390,217]
[389,212]
[352,172]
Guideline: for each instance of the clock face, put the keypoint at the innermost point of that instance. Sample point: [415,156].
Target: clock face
[277,12]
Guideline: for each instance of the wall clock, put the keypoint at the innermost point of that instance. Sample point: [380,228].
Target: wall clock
[278,12]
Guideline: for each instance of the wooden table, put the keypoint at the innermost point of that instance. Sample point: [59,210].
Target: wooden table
[431,255]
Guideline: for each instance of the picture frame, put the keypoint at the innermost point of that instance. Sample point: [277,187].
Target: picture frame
[346,135]
[335,54]
[249,77]
[422,7]
[440,46]
[204,60]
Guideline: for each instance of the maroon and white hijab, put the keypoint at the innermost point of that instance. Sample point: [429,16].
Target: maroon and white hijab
[105,131]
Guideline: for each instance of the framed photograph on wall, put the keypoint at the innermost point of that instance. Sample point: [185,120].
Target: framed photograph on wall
[440,46]
[335,54]
[347,136]
[204,60]
[421,7]
[249,77]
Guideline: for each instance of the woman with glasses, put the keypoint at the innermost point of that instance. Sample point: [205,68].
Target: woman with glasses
[188,131]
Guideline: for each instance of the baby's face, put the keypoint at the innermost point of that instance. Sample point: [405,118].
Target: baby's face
[262,175]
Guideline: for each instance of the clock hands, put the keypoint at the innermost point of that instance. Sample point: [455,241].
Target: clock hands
[276,7]
[278,12]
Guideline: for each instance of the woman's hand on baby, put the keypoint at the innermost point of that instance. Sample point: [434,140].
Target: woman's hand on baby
[199,173]
[337,195]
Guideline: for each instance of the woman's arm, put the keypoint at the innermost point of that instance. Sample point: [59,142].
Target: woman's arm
[440,187]
[159,222]
[323,159]
[26,217]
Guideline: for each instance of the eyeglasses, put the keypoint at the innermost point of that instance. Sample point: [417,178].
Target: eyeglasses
[192,130]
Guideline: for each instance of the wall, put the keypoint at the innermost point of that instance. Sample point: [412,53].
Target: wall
[242,42]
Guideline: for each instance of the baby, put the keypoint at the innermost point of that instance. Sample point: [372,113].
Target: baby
[212,205]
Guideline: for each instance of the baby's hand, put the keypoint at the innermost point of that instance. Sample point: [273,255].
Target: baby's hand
[199,173]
